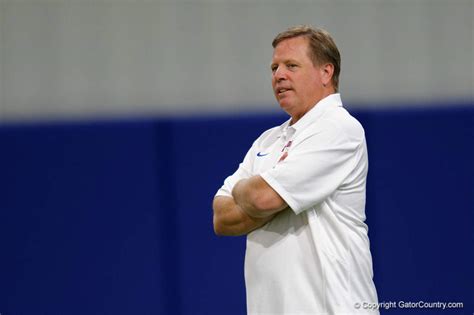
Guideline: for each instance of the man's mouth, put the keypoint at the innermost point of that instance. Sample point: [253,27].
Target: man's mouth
[281,91]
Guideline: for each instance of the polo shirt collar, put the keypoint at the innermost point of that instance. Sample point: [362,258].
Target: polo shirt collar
[333,100]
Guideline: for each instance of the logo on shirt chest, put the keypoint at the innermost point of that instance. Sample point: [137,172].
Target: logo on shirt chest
[285,151]
[260,154]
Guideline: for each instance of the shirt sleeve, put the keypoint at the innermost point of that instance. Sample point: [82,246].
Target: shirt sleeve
[315,168]
[244,170]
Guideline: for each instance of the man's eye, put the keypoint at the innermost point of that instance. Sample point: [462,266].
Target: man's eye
[274,68]
[291,66]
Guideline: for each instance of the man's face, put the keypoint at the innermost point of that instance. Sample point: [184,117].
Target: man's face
[296,81]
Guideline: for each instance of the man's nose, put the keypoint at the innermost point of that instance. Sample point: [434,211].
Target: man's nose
[279,74]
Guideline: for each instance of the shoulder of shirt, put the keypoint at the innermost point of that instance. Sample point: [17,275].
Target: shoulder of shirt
[340,121]
[272,132]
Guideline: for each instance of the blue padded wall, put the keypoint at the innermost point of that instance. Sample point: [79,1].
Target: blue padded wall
[80,220]
[420,202]
[116,217]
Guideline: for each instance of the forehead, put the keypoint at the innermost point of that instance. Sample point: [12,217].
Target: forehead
[291,48]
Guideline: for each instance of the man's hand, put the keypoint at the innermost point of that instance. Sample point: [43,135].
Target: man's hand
[256,198]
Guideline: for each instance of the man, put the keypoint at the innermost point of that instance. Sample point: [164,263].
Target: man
[299,194]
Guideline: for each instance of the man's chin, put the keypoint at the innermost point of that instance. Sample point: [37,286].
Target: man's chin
[284,104]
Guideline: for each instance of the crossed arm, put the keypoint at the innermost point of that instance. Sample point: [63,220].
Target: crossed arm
[253,203]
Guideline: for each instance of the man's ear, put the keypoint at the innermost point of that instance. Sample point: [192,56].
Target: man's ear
[327,71]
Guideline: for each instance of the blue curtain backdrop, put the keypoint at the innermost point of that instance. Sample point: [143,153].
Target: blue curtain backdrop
[114,217]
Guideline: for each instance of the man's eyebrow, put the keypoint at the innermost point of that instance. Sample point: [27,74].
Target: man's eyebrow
[285,61]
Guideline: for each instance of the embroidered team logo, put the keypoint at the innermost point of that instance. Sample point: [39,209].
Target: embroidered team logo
[285,151]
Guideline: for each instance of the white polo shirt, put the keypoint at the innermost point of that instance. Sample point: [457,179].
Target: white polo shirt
[314,257]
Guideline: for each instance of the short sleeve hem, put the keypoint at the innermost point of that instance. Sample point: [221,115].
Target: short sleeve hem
[282,192]
[223,192]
